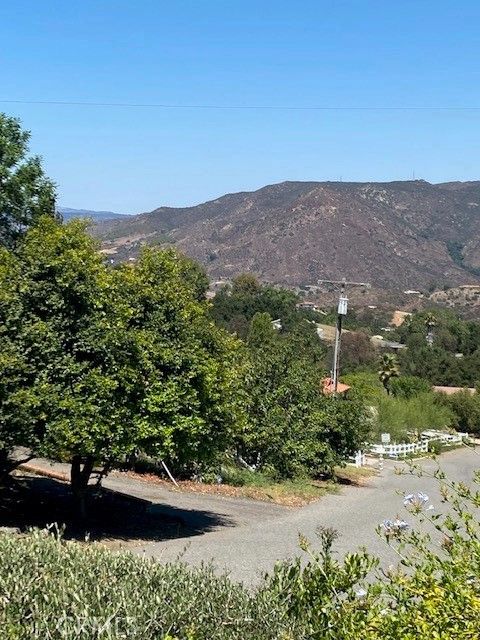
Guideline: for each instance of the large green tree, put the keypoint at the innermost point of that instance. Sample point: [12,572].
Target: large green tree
[235,305]
[103,362]
[25,192]
[292,428]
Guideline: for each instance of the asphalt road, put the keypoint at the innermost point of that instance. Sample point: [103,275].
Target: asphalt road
[250,536]
[245,537]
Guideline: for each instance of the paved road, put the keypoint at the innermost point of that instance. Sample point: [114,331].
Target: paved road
[246,537]
[265,533]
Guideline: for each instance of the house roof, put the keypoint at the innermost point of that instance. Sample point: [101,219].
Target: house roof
[451,390]
[328,387]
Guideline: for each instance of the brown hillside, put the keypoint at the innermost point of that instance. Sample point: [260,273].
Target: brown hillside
[395,235]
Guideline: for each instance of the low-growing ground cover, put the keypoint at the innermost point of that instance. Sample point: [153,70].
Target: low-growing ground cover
[51,588]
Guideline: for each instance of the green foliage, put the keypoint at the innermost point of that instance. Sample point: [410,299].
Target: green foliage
[101,362]
[192,398]
[234,306]
[365,386]
[25,192]
[388,369]
[357,353]
[439,363]
[411,407]
[408,386]
[370,321]
[292,427]
[74,592]
[465,408]
[402,416]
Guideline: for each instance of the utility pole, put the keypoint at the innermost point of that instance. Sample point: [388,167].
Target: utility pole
[341,312]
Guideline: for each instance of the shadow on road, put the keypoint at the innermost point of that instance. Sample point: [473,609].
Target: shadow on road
[36,502]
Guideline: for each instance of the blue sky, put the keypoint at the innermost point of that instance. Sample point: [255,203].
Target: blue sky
[353,53]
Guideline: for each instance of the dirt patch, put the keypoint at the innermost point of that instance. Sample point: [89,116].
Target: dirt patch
[289,493]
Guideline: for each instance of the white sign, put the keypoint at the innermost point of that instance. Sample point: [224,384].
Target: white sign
[385,438]
[342,306]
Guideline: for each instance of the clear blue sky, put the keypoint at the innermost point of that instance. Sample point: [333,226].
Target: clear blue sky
[353,53]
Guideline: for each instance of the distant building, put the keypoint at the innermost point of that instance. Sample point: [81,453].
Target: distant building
[328,387]
[449,391]
[310,306]
[379,341]
[412,292]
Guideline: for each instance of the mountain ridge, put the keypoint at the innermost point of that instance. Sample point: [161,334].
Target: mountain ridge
[399,234]
[97,216]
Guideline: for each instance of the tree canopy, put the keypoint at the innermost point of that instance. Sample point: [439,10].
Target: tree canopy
[25,191]
[292,428]
[99,362]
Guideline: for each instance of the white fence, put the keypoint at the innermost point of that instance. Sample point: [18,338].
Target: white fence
[359,459]
[399,450]
[444,438]
[408,448]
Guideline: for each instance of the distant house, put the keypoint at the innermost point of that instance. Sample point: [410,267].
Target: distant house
[449,391]
[310,306]
[328,387]
[379,341]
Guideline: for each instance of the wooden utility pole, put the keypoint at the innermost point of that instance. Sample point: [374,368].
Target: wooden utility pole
[341,312]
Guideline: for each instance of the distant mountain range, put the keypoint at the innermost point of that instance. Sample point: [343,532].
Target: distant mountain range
[395,235]
[97,216]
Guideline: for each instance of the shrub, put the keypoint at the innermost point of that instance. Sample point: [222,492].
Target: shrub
[408,386]
[366,386]
[55,589]
[466,410]
[400,416]
[68,591]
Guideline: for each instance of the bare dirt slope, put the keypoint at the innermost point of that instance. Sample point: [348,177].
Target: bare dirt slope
[396,235]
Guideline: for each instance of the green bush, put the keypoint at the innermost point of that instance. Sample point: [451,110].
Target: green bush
[69,591]
[366,386]
[62,590]
[408,386]
[466,410]
[292,427]
[402,416]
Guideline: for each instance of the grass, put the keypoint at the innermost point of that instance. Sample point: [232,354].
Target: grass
[241,483]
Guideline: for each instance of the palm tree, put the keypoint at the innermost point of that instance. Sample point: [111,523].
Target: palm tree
[388,369]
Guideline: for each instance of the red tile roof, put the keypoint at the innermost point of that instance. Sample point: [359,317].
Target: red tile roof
[328,387]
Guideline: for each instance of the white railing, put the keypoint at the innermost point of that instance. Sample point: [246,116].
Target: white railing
[359,459]
[403,449]
[444,438]
[399,450]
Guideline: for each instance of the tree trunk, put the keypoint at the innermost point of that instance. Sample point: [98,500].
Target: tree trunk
[9,464]
[79,478]
[4,466]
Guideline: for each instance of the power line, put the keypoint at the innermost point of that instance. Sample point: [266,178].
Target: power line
[153,105]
